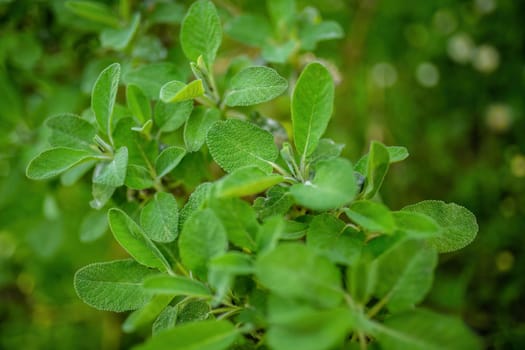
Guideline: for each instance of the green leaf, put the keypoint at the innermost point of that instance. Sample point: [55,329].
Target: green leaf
[459,226]
[307,328]
[138,103]
[239,220]
[113,286]
[203,237]
[329,237]
[251,30]
[279,53]
[416,225]
[168,159]
[131,237]
[361,278]
[151,77]
[69,130]
[405,273]
[294,230]
[278,201]
[160,218]
[193,311]
[177,91]
[326,149]
[332,187]
[245,181]
[424,330]
[112,173]
[146,314]
[93,226]
[254,85]
[269,233]
[234,144]
[166,320]
[235,263]
[72,175]
[377,167]
[171,116]
[203,335]
[196,202]
[292,270]
[197,127]
[103,97]
[55,161]
[176,285]
[281,12]
[138,178]
[119,39]
[141,151]
[94,11]
[201,32]
[395,153]
[101,195]
[312,34]
[312,104]
[371,216]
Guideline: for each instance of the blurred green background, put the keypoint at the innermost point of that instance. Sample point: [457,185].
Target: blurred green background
[443,78]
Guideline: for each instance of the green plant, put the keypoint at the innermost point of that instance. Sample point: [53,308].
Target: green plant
[291,248]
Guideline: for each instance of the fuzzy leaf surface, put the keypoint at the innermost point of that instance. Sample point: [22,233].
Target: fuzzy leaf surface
[113,286]
[312,105]
[234,144]
[254,85]
[459,225]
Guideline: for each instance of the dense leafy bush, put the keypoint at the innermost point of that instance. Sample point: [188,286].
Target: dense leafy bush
[441,78]
[292,246]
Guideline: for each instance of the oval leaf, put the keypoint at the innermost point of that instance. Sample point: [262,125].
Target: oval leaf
[254,85]
[415,224]
[103,96]
[131,237]
[332,187]
[235,143]
[405,273]
[245,181]
[203,335]
[458,224]
[295,271]
[55,161]
[69,130]
[197,127]
[176,285]
[113,173]
[202,238]
[138,103]
[372,216]
[146,314]
[168,159]
[201,32]
[113,286]
[177,91]
[160,218]
[424,330]
[312,104]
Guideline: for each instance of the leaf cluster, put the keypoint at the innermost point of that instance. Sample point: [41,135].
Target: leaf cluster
[237,238]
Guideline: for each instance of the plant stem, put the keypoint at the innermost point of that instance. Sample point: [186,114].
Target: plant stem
[362,341]
[181,269]
[103,144]
[378,306]
[280,170]
[229,313]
